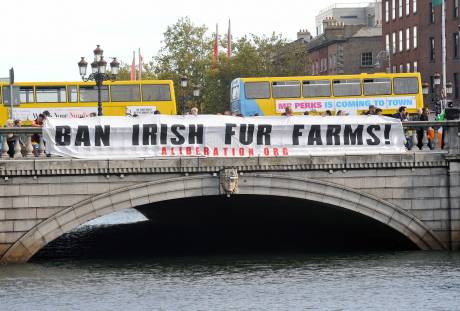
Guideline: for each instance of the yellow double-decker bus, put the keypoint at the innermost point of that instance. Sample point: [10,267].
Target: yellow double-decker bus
[352,94]
[79,99]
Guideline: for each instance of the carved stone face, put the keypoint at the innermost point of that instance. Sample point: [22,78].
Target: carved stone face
[229,180]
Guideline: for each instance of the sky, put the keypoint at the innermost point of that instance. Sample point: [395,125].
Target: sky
[43,40]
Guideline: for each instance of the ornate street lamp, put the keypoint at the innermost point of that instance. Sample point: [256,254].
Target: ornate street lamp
[196,95]
[183,81]
[449,88]
[99,73]
[425,88]
[437,79]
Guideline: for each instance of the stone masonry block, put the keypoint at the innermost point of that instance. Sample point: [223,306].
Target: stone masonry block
[455,214]
[196,192]
[33,189]
[98,188]
[140,201]
[73,188]
[374,182]
[66,217]
[19,202]
[46,212]
[405,204]
[426,204]
[193,183]
[10,237]
[84,209]
[21,213]
[398,182]
[423,215]
[25,225]
[6,225]
[117,197]
[257,190]
[121,205]
[105,201]
[43,201]
[6,202]
[9,190]
[293,193]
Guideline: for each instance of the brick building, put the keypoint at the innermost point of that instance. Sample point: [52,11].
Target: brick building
[345,49]
[412,35]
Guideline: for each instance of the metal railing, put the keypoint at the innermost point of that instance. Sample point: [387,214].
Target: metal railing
[27,142]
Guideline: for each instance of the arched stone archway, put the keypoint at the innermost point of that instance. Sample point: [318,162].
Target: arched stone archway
[206,185]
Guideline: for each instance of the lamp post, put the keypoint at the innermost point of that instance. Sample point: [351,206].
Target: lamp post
[183,84]
[387,55]
[98,73]
[196,95]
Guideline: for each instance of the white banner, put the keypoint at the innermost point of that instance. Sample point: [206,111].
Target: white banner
[140,110]
[221,136]
[345,104]
[25,114]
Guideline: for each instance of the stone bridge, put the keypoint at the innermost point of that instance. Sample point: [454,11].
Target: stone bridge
[415,193]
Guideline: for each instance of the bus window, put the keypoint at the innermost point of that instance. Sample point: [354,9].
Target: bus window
[125,93]
[254,90]
[89,93]
[285,89]
[50,94]
[377,86]
[6,95]
[347,87]
[26,94]
[155,92]
[72,95]
[316,88]
[406,85]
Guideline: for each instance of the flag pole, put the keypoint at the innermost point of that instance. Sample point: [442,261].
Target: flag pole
[140,64]
[443,22]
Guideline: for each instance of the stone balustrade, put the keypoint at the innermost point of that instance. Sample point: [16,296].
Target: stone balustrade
[435,135]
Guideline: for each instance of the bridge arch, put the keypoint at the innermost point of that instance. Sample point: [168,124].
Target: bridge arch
[207,185]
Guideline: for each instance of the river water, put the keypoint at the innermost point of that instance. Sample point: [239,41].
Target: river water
[327,280]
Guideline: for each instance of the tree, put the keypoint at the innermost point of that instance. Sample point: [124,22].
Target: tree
[187,50]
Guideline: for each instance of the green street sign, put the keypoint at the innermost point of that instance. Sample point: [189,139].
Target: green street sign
[436,3]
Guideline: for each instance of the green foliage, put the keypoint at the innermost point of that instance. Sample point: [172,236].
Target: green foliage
[187,50]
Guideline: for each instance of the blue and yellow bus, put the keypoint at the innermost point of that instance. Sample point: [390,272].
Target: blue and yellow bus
[352,94]
[79,99]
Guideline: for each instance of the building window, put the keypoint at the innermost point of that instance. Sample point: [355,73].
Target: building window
[432,16]
[393,9]
[407,39]
[387,11]
[415,66]
[401,68]
[455,45]
[414,6]
[387,42]
[407,7]
[400,46]
[432,50]
[456,86]
[408,67]
[400,8]
[366,59]
[393,69]
[455,8]
[414,36]
[393,43]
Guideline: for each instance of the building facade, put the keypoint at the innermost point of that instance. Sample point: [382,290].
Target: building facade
[412,34]
[362,13]
[345,49]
